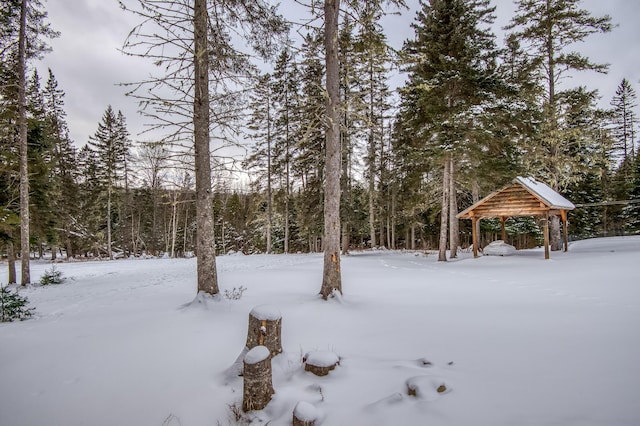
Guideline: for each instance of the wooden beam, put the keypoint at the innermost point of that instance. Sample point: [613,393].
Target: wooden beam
[504,231]
[474,236]
[545,231]
[565,222]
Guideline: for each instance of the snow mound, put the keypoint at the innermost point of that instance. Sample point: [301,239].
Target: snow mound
[499,248]
[266,313]
[321,358]
[257,354]
[305,412]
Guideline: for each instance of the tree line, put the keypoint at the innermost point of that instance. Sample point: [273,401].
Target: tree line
[471,115]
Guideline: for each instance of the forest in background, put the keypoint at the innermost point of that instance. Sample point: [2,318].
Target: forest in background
[470,117]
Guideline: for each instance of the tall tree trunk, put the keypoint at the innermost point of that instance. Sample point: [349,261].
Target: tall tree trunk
[393,219]
[332,280]
[346,239]
[556,234]
[444,215]
[454,232]
[205,242]
[269,195]
[372,189]
[174,225]
[109,252]
[24,158]
[11,263]
[154,221]
[475,197]
[413,234]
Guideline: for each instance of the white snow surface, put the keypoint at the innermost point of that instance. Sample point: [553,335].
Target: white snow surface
[266,313]
[522,341]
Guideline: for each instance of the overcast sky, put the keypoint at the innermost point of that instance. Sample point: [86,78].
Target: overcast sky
[88,65]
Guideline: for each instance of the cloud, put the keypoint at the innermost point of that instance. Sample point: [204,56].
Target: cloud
[88,65]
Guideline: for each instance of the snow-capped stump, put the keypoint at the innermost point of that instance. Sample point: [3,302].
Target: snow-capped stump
[426,387]
[305,414]
[320,362]
[265,328]
[258,385]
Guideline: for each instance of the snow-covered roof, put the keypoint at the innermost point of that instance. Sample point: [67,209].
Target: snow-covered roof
[544,192]
[524,197]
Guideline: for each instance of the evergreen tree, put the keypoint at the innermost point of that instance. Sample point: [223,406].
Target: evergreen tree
[308,163]
[261,125]
[21,39]
[62,167]
[287,127]
[452,65]
[548,29]
[624,120]
[109,143]
[373,62]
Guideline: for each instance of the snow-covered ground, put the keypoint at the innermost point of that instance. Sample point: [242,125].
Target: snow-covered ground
[516,340]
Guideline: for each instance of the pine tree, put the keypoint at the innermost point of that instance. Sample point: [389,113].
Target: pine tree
[22,38]
[41,215]
[624,120]
[452,65]
[110,145]
[261,125]
[373,61]
[349,117]
[62,167]
[308,162]
[287,127]
[548,29]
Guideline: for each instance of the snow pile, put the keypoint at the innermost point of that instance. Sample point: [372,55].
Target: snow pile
[534,342]
[499,248]
[266,313]
[256,355]
[305,412]
[321,358]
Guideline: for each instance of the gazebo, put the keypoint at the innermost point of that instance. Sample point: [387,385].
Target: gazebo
[524,197]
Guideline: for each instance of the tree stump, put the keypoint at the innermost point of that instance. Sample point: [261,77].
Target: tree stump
[265,329]
[258,385]
[320,362]
[305,414]
[426,387]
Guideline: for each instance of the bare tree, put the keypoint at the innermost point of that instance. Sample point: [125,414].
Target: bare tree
[201,76]
[22,136]
[331,278]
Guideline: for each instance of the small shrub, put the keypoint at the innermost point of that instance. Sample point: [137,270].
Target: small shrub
[13,306]
[52,276]
[235,294]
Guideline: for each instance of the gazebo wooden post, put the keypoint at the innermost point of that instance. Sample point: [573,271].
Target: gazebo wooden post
[502,224]
[545,231]
[564,214]
[474,235]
